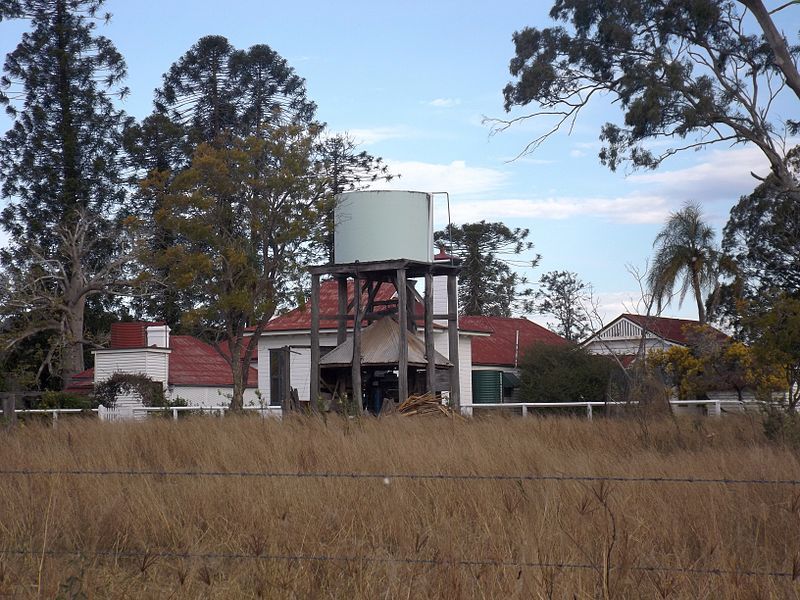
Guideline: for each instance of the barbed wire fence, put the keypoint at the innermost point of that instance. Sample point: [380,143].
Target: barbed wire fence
[433,562]
[387,478]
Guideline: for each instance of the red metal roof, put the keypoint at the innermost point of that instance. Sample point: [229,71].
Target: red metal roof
[299,319]
[191,362]
[673,330]
[500,347]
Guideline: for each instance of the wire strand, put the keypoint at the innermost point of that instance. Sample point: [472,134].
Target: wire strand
[388,477]
[458,562]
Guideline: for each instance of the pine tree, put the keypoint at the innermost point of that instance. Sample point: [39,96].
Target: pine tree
[61,173]
[489,284]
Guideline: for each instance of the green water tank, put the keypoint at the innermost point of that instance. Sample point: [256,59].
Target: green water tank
[487,387]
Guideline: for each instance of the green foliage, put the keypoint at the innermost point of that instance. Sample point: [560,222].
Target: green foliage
[151,392]
[762,241]
[488,284]
[686,255]
[692,72]
[564,373]
[715,362]
[564,296]
[53,399]
[778,342]
[243,216]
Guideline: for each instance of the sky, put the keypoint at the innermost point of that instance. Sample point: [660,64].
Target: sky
[414,83]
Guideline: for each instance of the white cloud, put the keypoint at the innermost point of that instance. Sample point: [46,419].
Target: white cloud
[369,136]
[624,209]
[444,102]
[456,177]
[725,175]
[577,153]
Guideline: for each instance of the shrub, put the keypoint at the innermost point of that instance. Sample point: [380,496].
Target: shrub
[565,373]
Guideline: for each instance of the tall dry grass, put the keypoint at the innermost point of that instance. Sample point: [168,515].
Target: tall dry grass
[614,529]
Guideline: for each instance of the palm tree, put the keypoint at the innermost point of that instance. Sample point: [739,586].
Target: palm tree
[686,255]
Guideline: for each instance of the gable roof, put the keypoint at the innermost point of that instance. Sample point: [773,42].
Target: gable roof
[500,347]
[667,328]
[192,362]
[299,319]
[380,345]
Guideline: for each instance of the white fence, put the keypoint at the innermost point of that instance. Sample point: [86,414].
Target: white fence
[715,407]
[113,414]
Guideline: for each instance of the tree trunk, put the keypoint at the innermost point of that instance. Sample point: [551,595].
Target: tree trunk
[72,362]
[698,294]
[239,373]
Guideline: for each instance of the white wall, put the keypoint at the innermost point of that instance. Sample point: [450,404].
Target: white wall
[440,343]
[210,396]
[153,362]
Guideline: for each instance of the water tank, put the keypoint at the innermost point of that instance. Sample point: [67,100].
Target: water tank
[383,225]
[487,387]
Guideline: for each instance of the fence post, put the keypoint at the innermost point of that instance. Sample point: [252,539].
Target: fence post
[10,406]
[174,414]
[55,417]
[717,409]
[588,411]
[524,411]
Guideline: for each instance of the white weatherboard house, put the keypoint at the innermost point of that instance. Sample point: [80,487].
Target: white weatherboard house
[623,337]
[188,368]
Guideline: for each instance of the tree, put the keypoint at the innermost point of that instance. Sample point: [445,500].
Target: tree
[564,296]
[61,173]
[778,342]
[685,252]
[762,241]
[692,73]
[242,215]
[564,373]
[212,92]
[712,362]
[488,284]
[214,89]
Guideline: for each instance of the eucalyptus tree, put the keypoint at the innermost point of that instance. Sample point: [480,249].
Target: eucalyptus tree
[244,212]
[686,256]
[61,174]
[688,73]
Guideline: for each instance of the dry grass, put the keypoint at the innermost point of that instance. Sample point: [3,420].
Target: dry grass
[617,528]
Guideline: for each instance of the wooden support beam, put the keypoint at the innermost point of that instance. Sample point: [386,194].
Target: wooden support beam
[402,317]
[430,354]
[356,363]
[452,339]
[341,330]
[314,391]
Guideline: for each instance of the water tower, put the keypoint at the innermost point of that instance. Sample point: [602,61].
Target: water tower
[385,237]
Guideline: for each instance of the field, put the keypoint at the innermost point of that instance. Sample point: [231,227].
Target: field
[236,532]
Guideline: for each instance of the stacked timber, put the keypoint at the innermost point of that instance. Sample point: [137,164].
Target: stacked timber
[424,404]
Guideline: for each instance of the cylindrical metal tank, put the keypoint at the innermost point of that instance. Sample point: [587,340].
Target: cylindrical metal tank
[487,387]
[383,225]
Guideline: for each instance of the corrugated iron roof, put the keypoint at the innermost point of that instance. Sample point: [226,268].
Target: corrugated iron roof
[300,318]
[499,348]
[191,362]
[380,345]
[670,329]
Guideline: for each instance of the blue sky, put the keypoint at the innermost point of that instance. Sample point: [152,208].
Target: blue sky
[413,81]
